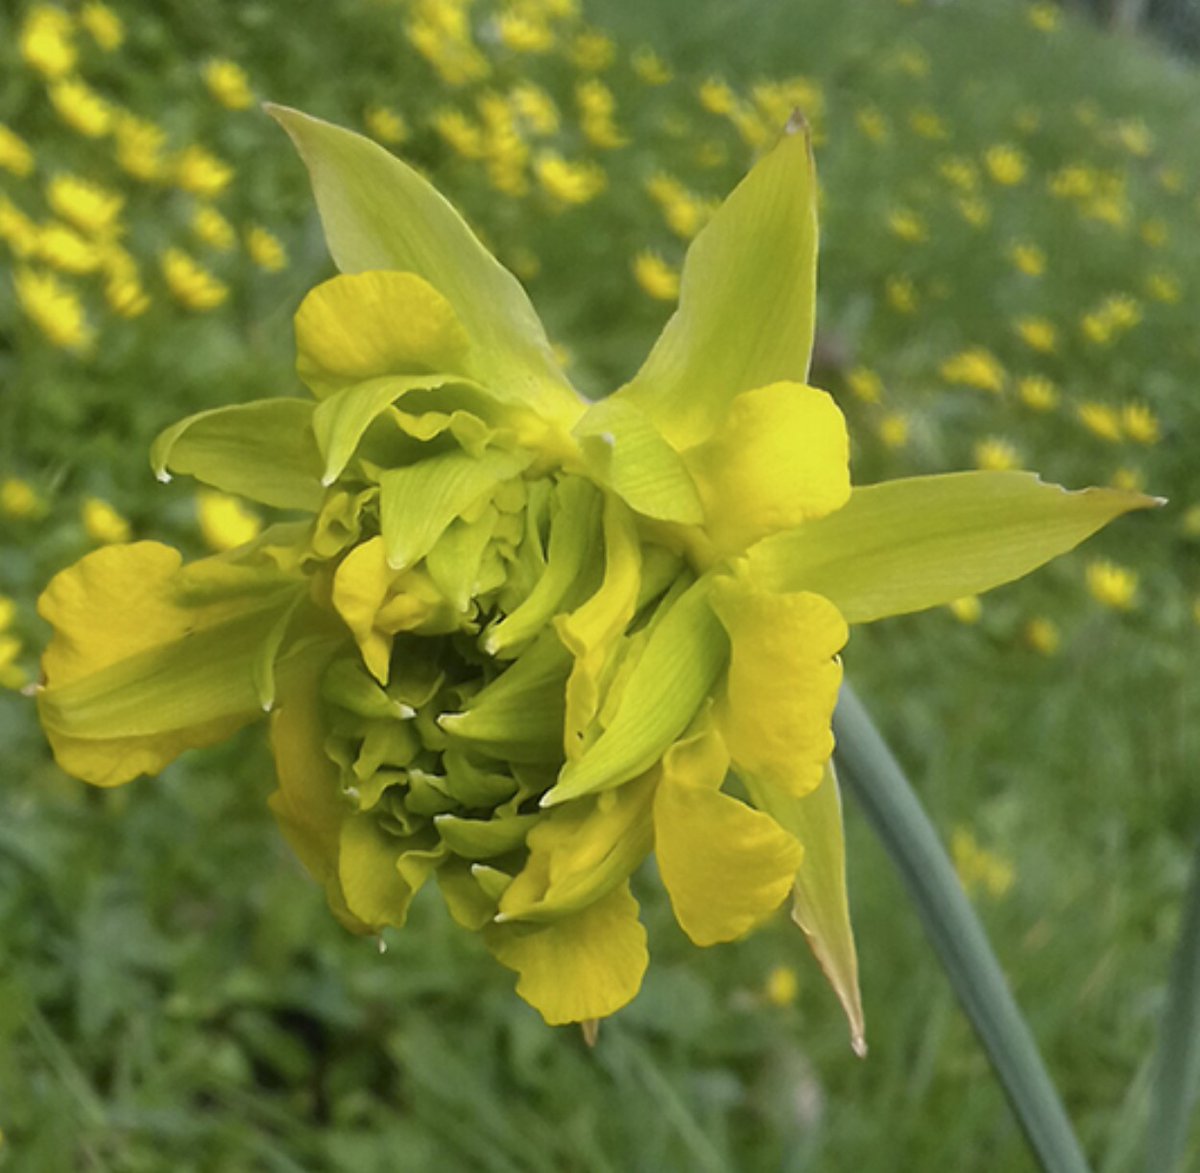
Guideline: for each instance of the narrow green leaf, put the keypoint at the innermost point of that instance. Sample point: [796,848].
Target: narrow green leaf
[1176,1072]
[746,300]
[378,213]
[905,545]
[263,451]
[873,776]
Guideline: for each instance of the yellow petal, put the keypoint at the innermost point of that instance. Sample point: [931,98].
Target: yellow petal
[779,458]
[110,606]
[580,851]
[357,326]
[360,587]
[584,966]
[783,682]
[726,866]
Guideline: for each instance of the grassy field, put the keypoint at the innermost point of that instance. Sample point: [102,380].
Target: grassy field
[1010,266]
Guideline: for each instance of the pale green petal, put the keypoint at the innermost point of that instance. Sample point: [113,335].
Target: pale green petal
[591,632]
[664,691]
[783,682]
[362,325]
[580,851]
[519,715]
[360,586]
[263,450]
[819,905]
[746,300]
[339,422]
[374,890]
[574,521]
[625,451]
[725,866]
[418,502]
[781,456]
[483,838]
[905,545]
[378,213]
[583,967]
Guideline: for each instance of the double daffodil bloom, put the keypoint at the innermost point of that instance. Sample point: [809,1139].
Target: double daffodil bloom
[515,641]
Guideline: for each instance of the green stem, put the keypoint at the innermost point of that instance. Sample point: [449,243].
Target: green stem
[1177,1063]
[873,776]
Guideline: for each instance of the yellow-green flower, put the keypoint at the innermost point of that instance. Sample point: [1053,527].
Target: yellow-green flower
[515,642]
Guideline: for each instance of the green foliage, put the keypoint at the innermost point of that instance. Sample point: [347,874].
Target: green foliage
[174,994]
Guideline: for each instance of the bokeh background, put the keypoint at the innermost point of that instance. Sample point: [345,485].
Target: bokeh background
[1010,275]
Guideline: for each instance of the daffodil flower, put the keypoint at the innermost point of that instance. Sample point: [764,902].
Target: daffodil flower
[517,642]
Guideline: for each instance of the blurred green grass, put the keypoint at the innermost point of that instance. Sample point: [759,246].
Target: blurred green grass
[173,993]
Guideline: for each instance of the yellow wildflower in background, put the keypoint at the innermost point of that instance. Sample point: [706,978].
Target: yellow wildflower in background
[996,454]
[871,123]
[1114,586]
[265,249]
[568,183]
[967,609]
[141,147]
[1135,136]
[17,230]
[782,986]
[1154,233]
[535,108]
[655,276]
[1164,287]
[13,676]
[1140,424]
[980,871]
[90,207]
[55,308]
[200,171]
[1028,258]
[1044,16]
[102,523]
[865,384]
[960,173]
[975,367]
[190,283]
[649,68]
[524,33]
[1005,164]
[1042,635]
[901,294]
[974,211]
[16,157]
[1128,479]
[592,51]
[64,249]
[1038,393]
[123,288]
[907,225]
[225,522]
[103,25]
[1100,419]
[211,227]
[1038,334]
[462,135]
[386,124]
[46,41]
[927,124]
[893,429]
[19,500]
[597,106]
[717,96]
[229,83]
[684,211]
[81,107]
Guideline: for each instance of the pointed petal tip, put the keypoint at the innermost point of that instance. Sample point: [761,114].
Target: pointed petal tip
[797,123]
[591,1031]
[858,1045]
